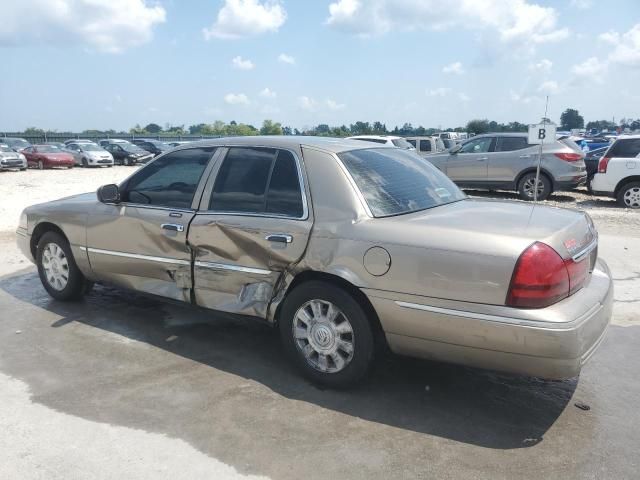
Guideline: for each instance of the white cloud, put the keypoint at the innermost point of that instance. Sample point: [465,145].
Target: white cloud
[549,87]
[520,98]
[439,92]
[543,65]
[455,68]
[333,105]
[236,99]
[267,93]
[284,58]
[612,37]
[108,26]
[515,21]
[307,103]
[242,64]
[464,97]
[591,67]
[245,18]
[627,48]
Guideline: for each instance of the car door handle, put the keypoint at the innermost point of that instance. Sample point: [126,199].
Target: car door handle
[482,159]
[525,156]
[279,238]
[174,227]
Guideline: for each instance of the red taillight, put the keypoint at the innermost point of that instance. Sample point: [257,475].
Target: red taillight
[540,278]
[578,272]
[603,164]
[569,157]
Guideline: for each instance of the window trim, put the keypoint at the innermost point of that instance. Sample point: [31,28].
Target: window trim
[206,197]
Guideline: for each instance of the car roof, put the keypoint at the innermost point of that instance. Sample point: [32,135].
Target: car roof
[502,134]
[377,137]
[627,137]
[328,144]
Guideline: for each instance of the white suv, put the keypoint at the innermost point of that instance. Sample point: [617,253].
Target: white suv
[619,172]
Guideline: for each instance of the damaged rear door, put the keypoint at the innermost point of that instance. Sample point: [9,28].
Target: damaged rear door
[253,224]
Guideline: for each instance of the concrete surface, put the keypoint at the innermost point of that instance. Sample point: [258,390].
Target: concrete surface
[121,386]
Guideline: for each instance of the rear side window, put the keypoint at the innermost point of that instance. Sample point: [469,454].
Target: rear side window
[508,144]
[171,181]
[625,148]
[258,181]
[425,145]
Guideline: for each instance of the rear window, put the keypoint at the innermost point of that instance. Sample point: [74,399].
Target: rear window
[625,148]
[394,182]
[425,145]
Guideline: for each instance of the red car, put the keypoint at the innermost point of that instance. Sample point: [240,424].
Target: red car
[47,156]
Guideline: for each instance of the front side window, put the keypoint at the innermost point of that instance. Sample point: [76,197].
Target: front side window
[258,181]
[394,181]
[425,145]
[480,145]
[625,148]
[509,144]
[170,181]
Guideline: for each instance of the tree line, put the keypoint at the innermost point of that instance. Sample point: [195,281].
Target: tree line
[569,119]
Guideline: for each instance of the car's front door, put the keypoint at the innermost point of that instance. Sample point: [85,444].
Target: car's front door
[469,164]
[141,242]
[253,225]
[74,150]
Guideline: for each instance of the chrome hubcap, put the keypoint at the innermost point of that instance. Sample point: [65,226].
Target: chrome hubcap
[632,197]
[55,266]
[529,187]
[324,336]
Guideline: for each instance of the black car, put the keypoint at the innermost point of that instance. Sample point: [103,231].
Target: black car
[127,153]
[152,146]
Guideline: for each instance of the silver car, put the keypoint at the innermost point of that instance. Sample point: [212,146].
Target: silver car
[505,161]
[11,160]
[427,145]
[90,155]
[344,246]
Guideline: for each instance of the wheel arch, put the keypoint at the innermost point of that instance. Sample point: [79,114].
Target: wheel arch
[39,230]
[340,282]
[543,171]
[624,181]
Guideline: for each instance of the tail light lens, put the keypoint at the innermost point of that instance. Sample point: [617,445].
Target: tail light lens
[603,164]
[569,157]
[540,278]
[578,272]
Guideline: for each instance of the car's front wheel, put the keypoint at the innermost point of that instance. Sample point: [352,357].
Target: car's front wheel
[526,186]
[326,333]
[40,165]
[629,195]
[57,268]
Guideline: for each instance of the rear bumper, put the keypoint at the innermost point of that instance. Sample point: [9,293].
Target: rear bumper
[601,185]
[554,342]
[571,183]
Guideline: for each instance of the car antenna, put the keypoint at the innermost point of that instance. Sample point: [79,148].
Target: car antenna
[544,124]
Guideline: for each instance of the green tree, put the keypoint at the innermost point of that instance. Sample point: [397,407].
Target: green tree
[153,128]
[269,127]
[571,118]
[601,125]
[137,130]
[478,126]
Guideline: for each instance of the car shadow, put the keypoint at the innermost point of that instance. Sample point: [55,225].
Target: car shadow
[583,201]
[467,405]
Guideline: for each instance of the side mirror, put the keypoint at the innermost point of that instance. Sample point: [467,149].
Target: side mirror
[455,149]
[109,193]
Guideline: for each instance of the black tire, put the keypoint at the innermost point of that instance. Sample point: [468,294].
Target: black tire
[76,285]
[40,165]
[525,186]
[128,162]
[629,195]
[85,164]
[23,169]
[589,188]
[361,336]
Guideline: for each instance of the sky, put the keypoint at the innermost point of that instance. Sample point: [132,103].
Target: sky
[71,65]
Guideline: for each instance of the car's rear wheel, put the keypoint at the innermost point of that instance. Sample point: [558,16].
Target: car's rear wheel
[526,186]
[57,268]
[327,335]
[629,195]
[40,165]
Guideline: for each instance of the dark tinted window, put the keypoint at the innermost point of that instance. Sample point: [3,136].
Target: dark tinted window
[625,148]
[479,145]
[284,196]
[425,145]
[395,181]
[508,144]
[170,181]
[258,180]
[412,142]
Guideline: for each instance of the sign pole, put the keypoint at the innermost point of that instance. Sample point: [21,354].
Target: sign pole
[544,123]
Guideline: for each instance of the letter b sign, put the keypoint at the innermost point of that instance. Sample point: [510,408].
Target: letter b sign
[541,133]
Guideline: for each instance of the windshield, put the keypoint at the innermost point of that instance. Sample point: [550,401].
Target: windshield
[130,147]
[394,181]
[17,143]
[5,149]
[402,143]
[48,149]
[88,147]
